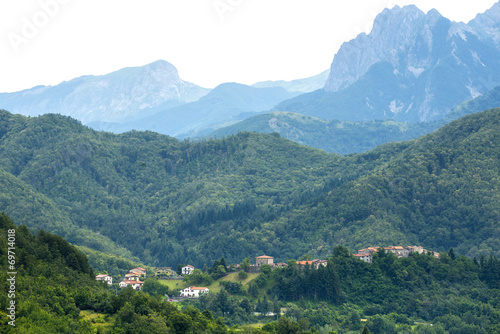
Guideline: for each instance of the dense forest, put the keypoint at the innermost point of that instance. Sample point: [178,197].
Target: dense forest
[151,198]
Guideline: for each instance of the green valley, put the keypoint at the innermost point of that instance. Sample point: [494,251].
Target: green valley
[155,199]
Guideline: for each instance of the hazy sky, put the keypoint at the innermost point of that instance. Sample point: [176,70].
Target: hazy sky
[44,42]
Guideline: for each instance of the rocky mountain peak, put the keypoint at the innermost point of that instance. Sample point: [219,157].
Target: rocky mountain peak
[487,24]
[113,97]
[393,29]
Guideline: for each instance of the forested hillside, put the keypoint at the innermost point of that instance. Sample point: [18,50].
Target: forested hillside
[148,196]
[54,286]
[345,137]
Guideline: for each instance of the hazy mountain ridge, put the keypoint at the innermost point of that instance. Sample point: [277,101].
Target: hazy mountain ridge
[345,137]
[116,96]
[229,102]
[305,85]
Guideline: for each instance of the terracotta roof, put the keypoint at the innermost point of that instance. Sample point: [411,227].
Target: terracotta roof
[101,276]
[188,266]
[132,282]
[197,288]
[303,263]
[264,257]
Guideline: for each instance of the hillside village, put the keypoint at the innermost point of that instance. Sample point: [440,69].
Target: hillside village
[134,276]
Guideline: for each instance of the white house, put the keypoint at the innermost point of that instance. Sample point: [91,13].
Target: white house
[187,270]
[365,257]
[136,285]
[194,291]
[107,278]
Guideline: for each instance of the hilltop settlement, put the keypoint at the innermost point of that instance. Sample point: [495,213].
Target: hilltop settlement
[134,276]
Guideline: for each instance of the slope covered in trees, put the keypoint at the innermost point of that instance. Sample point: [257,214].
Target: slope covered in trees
[441,191]
[166,201]
[54,283]
[345,137]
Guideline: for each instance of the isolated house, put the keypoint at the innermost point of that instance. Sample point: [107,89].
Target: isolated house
[107,278]
[138,270]
[164,271]
[194,291]
[264,259]
[365,257]
[132,276]
[136,285]
[369,250]
[318,263]
[187,270]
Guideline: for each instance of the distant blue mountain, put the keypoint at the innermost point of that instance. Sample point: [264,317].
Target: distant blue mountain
[122,95]
[305,85]
[225,104]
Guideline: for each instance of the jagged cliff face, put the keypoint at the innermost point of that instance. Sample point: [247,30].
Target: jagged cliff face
[487,25]
[393,31]
[431,63]
[113,97]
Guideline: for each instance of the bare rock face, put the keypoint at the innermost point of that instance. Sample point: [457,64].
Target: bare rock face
[393,31]
[487,24]
[114,97]
[413,66]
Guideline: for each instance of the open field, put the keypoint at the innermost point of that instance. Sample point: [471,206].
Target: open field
[232,277]
[174,284]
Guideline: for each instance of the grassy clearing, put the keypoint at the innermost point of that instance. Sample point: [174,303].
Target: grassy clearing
[232,277]
[174,284]
[97,320]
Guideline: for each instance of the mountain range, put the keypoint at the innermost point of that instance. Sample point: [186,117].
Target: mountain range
[225,104]
[346,137]
[412,67]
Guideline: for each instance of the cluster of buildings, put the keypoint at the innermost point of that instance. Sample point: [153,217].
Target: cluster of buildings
[264,259]
[400,251]
[132,278]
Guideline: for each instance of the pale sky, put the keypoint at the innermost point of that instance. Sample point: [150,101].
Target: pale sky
[45,42]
